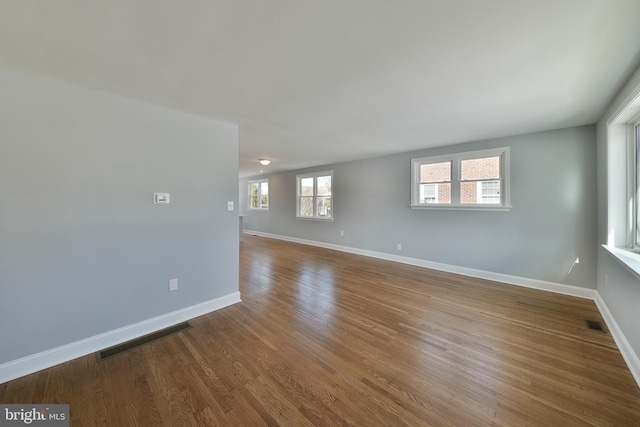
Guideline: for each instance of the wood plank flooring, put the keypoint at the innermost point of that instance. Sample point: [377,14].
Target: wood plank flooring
[324,338]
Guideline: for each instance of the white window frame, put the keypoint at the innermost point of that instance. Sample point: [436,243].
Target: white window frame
[260,207]
[622,180]
[315,176]
[456,159]
[634,184]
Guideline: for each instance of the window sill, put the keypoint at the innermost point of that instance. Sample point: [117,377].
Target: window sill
[627,258]
[315,218]
[462,207]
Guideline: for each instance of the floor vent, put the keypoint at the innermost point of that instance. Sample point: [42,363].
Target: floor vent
[594,325]
[129,345]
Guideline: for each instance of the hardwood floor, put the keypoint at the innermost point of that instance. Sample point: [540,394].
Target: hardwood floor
[324,338]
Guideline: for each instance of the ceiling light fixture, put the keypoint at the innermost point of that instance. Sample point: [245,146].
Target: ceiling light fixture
[264,162]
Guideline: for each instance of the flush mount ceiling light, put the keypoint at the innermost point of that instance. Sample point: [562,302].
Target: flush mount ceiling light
[264,162]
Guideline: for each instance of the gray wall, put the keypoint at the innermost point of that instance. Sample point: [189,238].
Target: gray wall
[83,250]
[621,292]
[552,222]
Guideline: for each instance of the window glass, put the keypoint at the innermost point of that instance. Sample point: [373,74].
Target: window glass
[480,169]
[306,186]
[324,185]
[435,172]
[306,206]
[435,184]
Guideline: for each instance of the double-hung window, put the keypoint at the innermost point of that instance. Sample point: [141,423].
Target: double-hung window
[470,180]
[314,196]
[259,194]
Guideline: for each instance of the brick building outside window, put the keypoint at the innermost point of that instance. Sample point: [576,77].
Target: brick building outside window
[473,180]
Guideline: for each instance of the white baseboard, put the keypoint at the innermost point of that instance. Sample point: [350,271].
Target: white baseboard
[46,359]
[481,274]
[629,356]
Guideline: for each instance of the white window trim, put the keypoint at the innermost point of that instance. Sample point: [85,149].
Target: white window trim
[620,183]
[313,175]
[257,181]
[455,159]
[634,185]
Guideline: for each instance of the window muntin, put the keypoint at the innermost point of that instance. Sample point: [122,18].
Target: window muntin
[259,194]
[315,196]
[469,180]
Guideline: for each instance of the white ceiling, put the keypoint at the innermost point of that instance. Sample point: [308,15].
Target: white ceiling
[312,82]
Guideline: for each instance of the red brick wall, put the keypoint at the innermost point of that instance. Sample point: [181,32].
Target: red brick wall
[435,172]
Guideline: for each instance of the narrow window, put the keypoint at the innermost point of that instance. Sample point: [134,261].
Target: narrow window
[315,196]
[259,194]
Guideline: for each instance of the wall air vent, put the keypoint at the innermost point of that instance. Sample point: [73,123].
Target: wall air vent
[130,345]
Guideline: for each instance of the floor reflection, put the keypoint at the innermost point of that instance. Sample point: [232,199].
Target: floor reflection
[316,294]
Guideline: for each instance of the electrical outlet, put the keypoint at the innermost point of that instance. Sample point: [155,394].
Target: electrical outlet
[399,247]
[606,281]
[342,232]
[173,285]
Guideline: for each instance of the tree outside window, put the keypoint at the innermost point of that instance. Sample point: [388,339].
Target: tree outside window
[259,194]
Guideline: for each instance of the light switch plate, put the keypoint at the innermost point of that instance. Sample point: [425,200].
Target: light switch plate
[229,206]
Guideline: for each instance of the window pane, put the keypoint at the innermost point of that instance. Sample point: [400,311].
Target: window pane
[428,193]
[306,206]
[306,186]
[324,207]
[264,195]
[435,193]
[478,169]
[324,185]
[435,172]
[253,194]
[480,192]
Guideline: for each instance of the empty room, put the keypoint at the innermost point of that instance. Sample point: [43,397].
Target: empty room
[330,213]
